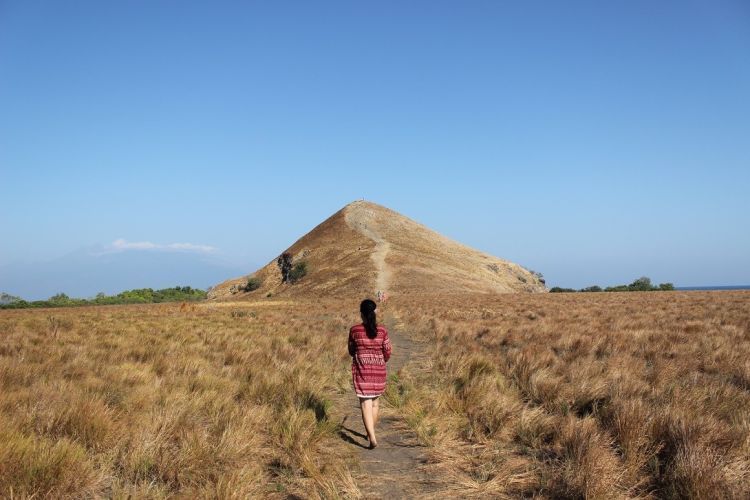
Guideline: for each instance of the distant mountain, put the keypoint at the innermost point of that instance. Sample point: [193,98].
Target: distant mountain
[365,247]
[88,271]
[6,298]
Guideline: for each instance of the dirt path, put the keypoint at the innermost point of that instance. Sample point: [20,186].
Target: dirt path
[382,248]
[364,221]
[393,469]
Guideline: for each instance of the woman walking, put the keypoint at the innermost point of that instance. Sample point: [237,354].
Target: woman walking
[370,349]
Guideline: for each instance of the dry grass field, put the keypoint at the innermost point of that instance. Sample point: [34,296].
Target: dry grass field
[544,395]
[610,395]
[209,400]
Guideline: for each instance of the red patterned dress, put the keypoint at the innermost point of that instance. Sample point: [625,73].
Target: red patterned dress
[368,360]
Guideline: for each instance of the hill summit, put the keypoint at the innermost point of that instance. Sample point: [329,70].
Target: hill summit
[365,247]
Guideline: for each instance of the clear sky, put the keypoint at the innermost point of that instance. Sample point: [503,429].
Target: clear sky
[592,141]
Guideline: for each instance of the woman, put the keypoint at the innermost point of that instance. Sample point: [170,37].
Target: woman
[370,349]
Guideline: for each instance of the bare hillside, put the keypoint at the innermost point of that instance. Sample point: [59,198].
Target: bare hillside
[366,247]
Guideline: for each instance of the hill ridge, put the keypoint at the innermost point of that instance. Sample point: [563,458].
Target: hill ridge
[364,247]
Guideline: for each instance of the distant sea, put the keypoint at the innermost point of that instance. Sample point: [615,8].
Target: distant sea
[732,287]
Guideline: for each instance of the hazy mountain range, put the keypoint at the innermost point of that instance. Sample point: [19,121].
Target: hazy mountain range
[117,267]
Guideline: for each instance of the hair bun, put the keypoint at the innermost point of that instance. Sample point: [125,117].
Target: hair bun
[367,306]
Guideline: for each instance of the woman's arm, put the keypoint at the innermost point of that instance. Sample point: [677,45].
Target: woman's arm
[387,348]
[352,344]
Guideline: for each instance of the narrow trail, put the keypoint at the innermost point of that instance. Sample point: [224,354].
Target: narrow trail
[364,222]
[393,469]
[382,248]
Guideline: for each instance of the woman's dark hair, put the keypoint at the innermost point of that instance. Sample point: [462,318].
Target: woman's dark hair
[367,309]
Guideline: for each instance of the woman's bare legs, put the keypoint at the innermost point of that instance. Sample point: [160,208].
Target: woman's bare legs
[375,409]
[365,404]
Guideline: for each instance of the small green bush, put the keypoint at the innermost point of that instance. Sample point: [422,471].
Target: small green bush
[253,283]
[298,272]
[642,284]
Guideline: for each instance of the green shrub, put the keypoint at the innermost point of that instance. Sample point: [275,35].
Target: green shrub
[59,298]
[642,284]
[298,272]
[557,289]
[253,283]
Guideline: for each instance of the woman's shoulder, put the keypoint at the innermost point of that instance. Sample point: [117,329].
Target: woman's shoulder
[357,327]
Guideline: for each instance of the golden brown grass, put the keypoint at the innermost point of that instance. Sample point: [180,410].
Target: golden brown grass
[164,400]
[549,396]
[583,395]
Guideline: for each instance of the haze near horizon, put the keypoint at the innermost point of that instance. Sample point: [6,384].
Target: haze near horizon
[594,143]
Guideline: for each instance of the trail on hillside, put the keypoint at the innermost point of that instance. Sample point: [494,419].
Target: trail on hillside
[364,222]
[393,469]
[382,248]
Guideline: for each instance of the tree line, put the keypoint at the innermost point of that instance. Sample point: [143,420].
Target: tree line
[642,284]
[136,296]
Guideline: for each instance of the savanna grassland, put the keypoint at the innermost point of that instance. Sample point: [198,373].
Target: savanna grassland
[198,400]
[608,395]
[583,395]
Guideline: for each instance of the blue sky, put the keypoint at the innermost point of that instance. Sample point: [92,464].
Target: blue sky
[593,141]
